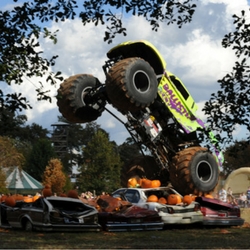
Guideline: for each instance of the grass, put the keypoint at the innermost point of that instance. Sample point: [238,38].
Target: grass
[182,238]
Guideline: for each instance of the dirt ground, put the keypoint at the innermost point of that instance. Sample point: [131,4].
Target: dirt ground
[245,214]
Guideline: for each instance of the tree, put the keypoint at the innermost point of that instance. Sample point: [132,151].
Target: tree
[25,24]
[54,176]
[128,150]
[101,168]
[236,156]
[3,189]
[38,158]
[230,106]
[9,155]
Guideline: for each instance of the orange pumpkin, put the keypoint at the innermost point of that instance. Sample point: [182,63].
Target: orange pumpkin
[18,197]
[47,192]
[145,183]
[162,200]
[132,182]
[35,197]
[152,198]
[27,199]
[73,194]
[155,183]
[174,199]
[193,197]
[10,201]
[209,196]
[188,199]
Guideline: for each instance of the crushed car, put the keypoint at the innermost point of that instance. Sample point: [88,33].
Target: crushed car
[116,215]
[218,213]
[50,214]
[179,213]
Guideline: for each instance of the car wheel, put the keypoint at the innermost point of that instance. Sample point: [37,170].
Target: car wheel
[194,171]
[28,226]
[131,84]
[73,101]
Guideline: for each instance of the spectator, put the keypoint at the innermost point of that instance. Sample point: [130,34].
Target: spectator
[248,194]
[243,200]
[223,195]
[230,197]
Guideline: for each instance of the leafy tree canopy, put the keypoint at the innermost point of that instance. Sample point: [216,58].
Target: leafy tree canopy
[54,176]
[236,156]
[230,106]
[101,168]
[27,22]
[38,158]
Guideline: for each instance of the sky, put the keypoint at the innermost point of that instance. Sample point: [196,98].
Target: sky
[194,53]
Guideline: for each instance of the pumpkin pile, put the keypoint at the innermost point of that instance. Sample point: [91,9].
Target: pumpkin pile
[136,182]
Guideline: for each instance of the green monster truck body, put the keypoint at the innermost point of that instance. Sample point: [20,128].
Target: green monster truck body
[161,117]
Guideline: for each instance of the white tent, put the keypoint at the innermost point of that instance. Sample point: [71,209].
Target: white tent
[18,181]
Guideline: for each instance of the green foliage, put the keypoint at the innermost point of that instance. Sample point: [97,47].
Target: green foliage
[3,189]
[101,168]
[230,106]
[128,150]
[38,158]
[23,26]
[236,156]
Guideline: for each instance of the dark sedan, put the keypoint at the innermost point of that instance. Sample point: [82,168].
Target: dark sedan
[51,214]
[219,213]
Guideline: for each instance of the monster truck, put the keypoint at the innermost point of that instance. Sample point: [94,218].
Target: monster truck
[161,117]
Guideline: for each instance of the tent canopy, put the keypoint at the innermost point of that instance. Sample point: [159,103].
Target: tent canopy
[21,182]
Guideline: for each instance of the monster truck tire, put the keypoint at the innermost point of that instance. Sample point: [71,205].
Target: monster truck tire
[131,84]
[71,102]
[194,171]
[141,167]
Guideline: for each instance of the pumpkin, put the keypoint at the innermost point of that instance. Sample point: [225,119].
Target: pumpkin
[63,195]
[18,197]
[155,183]
[152,198]
[10,201]
[145,183]
[35,197]
[209,196]
[27,199]
[132,182]
[73,194]
[174,199]
[47,192]
[162,200]
[188,199]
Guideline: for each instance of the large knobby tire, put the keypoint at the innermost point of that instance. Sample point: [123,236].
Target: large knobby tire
[71,99]
[142,167]
[131,84]
[194,171]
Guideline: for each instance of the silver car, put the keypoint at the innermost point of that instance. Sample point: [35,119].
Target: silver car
[50,214]
[170,214]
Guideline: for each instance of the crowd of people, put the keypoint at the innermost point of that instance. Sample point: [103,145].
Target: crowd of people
[227,196]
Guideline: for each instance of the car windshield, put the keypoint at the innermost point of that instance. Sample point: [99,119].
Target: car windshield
[132,196]
[67,206]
